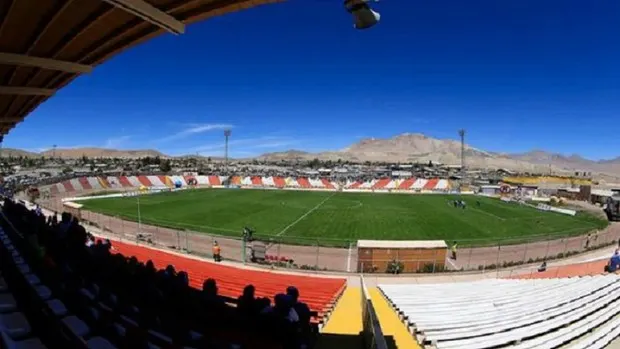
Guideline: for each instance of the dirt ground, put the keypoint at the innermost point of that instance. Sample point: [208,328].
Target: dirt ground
[329,258]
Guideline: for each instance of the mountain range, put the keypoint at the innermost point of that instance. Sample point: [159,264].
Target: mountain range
[402,148]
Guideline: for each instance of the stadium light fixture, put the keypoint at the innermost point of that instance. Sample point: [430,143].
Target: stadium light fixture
[44,63]
[363,16]
[227,134]
[150,13]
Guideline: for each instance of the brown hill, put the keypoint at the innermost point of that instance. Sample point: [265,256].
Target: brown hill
[74,153]
[421,148]
[7,152]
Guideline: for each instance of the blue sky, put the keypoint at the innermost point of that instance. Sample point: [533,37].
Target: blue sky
[518,75]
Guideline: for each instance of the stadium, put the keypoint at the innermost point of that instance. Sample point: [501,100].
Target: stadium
[270,257]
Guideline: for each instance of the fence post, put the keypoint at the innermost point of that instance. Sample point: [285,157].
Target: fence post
[525,253]
[471,251]
[499,250]
[547,250]
[243,249]
[318,246]
[349,257]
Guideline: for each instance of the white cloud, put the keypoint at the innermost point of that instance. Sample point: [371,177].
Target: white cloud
[116,142]
[194,129]
[247,145]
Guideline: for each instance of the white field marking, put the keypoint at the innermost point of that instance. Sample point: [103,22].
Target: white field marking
[489,214]
[358,204]
[449,260]
[305,215]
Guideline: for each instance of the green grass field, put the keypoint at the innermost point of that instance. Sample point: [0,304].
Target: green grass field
[334,218]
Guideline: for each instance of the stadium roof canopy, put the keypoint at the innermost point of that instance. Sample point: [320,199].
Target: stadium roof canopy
[45,44]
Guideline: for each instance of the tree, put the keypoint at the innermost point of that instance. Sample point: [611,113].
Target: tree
[164,166]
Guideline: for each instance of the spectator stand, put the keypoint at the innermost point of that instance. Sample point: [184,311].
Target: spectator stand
[105,305]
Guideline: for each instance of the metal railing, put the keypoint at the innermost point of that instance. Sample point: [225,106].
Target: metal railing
[372,334]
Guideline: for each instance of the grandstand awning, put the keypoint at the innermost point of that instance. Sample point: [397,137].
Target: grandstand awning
[44,45]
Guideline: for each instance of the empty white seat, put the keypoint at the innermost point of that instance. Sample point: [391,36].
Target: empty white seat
[30,343]
[57,307]
[43,292]
[77,326]
[15,325]
[86,293]
[99,343]
[160,336]
[120,329]
[7,303]
[32,279]
[522,314]
[23,268]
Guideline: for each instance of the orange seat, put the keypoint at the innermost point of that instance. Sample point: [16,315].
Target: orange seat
[318,293]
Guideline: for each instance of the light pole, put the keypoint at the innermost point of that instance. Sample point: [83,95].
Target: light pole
[462,135]
[227,133]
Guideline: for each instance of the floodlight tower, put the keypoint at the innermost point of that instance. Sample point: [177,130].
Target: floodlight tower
[462,136]
[227,133]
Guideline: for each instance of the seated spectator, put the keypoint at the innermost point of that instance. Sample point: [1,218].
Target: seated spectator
[543,267]
[614,262]
[302,309]
[283,308]
[246,303]
[209,293]
[182,279]
[79,267]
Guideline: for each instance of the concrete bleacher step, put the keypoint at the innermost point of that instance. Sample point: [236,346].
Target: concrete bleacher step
[512,313]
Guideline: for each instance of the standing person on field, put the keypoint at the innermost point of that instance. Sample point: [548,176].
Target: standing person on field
[454,246]
[217,257]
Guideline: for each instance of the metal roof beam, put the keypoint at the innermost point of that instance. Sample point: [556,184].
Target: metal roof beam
[9,119]
[26,91]
[45,63]
[151,14]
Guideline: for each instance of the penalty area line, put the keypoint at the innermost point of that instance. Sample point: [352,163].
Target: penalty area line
[305,215]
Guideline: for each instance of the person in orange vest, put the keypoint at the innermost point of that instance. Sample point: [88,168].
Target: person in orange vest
[216,252]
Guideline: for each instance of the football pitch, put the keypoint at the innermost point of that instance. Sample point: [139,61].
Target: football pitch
[337,218]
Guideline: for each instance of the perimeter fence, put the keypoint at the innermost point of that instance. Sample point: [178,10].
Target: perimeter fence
[341,255]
